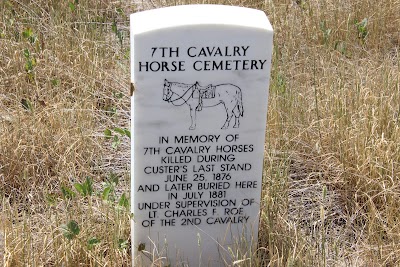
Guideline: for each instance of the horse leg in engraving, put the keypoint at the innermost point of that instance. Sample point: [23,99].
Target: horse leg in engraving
[237,123]
[238,109]
[236,112]
[229,115]
[193,118]
[200,106]
[230,111]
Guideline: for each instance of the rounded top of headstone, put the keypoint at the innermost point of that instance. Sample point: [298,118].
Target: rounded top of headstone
[185,15]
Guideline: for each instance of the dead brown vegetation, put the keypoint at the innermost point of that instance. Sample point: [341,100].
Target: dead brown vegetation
[331,186]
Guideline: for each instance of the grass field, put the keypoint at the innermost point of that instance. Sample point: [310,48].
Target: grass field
[331,188]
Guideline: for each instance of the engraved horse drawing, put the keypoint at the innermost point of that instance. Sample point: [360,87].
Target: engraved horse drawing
[198,97]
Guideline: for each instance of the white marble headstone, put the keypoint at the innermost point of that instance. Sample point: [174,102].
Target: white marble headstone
[201,74]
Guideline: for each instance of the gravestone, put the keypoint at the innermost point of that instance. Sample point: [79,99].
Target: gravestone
[201,75]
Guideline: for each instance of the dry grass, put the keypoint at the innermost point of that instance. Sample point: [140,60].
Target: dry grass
[331,186]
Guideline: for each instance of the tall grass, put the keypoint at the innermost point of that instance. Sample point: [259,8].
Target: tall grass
[331,179]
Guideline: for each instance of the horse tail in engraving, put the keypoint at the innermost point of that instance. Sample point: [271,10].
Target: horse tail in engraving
[240,103]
